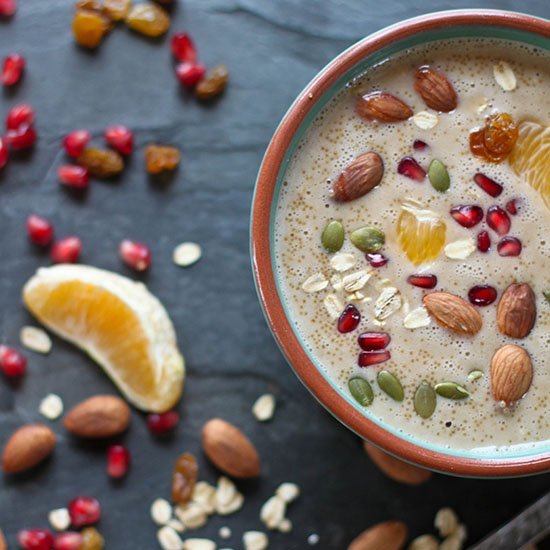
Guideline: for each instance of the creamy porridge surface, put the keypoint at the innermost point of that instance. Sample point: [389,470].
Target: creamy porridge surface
[431,353]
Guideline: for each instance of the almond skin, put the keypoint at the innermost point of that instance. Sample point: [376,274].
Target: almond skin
[27,447]
[382,107]
[359,177]
[436,90]
[97,417]
[396,469]
[517,310]
[229,449]
[511,373]
[453,312]
[388,535]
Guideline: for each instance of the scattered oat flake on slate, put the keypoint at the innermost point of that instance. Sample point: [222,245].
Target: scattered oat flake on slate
[35,339]
[264,407]
[186,254]
[51,406]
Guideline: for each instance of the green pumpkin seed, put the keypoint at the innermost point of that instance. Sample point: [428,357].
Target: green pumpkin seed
[368,239]
[475,375]
[547,295]
[425,400]
[439,177]
[361,391]
[390,384]
[451,390]
[333,236]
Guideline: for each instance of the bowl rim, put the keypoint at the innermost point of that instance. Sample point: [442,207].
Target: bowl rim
[261,217]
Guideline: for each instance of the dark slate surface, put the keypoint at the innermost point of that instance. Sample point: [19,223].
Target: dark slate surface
[273,49]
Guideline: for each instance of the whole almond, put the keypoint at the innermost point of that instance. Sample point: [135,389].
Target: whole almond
[453,312]
[517,310]
[358,178]
[27,447]
[388,535]
[97,417]
[396,469]
[511,373]
[3,543]
[229,449]
[382,107]
[436,90]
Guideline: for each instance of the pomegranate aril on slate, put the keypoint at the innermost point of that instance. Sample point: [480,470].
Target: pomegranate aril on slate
[512,207]
[19,115]
[84,511]
[12,69]
[349,319]
[160,423]
[12,362]
[135,254]
[73,176]
[411,169]
[118,461]
[3,153]
[498,220]
[482,295]
[483,241]
[40,230]
[376,259]
[190,74]
[120,138]
[75,142]
[369,358]
[488,185]
[420,145]
[509,246]
[7,8]
[35,539]
[423,281]
[370,341]
[66,251]
[467,215]
[23,137]
[183,48]
[70,540]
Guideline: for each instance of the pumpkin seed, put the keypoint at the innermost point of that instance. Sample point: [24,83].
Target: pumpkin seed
[547,295]
[425,400]
[439,177]
[361,391]
[451,390]
[368,239]
[390,384]
[333,236]
[475,375]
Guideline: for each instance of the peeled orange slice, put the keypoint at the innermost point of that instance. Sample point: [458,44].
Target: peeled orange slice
[421,232]
[530,157]
[119,323]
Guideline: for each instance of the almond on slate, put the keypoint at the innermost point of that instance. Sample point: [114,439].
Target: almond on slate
[396,469]
[453,312]
[97,417]
[388,535]
[229,449]
[27,447]
[511,373]
[358,178]
[436,90]
[382,107]
[517,310]
[3,543]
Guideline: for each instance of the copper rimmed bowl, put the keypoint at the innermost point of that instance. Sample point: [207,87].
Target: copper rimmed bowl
[354,61]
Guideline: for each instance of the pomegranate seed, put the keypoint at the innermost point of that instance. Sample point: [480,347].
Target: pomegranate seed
[40,230]
[84,511]
[3,153]
[35,539]
[183,48]
[482,295]
[410,168]
[75,142]
[488,185]
[118,461]
[73,176]
[134,254]
[7,8]
[483,241]
[369,358]
[190,74]
[120,138]
[66,251]
[377,259]
[70,540]
[23,137]
[512,207]
[420,145]
[349,319]
[19,115]
[498,220]
[467,215]
[162,423]
[12,69]
[370,341]
[422,281]
[12,362]
[509,246]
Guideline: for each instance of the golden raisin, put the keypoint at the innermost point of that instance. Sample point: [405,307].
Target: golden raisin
[92,539]
[184,478]
[148,19]
[89,28]
[101,163]
[116,10]
[214,82]
[495,141]
[161,157]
